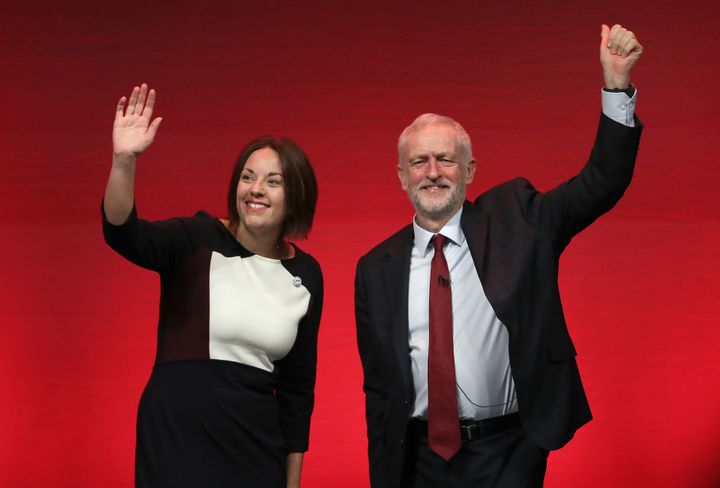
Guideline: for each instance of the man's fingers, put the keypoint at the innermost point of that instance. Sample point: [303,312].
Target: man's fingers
[621,41]
[625,46]
[630,45]
[604,33]
[614,30]
[613,38]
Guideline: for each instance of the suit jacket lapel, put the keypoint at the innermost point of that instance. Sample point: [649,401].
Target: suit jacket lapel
[474,223]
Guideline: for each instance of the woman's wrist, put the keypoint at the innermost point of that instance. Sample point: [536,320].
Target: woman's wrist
[124,159]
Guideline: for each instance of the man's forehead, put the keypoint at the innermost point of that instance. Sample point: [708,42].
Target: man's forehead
[435,138]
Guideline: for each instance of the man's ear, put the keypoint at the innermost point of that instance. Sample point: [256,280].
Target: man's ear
[471,166]
[401,176]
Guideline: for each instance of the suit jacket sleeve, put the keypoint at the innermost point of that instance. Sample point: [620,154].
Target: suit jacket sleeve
[370,350]
[573,205]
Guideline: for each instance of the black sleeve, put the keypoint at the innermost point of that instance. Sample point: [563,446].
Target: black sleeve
[567,209]
[375,401]
[296,371]
[158,245]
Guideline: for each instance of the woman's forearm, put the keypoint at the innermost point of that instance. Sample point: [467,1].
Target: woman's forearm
[294,467]
[120,189]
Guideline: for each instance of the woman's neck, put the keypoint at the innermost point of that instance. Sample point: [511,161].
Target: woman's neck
[266,244]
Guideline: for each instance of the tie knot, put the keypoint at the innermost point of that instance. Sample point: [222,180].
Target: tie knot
[438,241]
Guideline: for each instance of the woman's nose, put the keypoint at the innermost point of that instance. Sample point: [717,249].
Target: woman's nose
[257,188]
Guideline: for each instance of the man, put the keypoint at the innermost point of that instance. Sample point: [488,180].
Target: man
[470,374]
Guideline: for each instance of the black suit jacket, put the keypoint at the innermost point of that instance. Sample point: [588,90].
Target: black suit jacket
[515,235]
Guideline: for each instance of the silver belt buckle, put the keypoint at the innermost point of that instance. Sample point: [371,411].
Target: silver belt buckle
[473,431]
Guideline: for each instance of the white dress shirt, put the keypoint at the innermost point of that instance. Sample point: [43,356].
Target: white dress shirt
[485,386]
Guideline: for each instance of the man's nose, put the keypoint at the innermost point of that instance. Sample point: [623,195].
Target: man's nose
[433,168]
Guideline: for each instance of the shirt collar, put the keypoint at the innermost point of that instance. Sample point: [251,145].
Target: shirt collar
[451,230]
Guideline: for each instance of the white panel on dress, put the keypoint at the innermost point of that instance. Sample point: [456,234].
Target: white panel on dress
[255,309]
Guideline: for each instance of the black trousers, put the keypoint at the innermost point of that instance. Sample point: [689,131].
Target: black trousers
[504,460]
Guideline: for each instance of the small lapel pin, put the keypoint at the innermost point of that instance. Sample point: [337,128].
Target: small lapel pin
[297,281]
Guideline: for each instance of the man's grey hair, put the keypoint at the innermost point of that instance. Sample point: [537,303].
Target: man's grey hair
[425,120]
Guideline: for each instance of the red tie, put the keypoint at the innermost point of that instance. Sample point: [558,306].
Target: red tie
[443,423]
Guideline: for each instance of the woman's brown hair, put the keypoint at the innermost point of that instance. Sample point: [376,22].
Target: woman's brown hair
[299,183]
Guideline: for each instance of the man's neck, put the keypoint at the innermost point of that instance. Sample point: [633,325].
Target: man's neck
[434,225]
[431,225]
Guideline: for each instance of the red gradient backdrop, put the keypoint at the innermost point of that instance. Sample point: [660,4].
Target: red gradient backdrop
[641,286]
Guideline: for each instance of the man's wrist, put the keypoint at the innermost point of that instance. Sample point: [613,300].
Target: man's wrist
[619,105]
[629,90]
[616,80]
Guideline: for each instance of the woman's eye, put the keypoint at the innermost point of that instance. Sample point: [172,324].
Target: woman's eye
[246,177]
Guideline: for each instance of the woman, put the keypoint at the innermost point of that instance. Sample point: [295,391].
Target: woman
[231,393]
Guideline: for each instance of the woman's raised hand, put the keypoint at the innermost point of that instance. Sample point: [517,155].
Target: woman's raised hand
[133,129]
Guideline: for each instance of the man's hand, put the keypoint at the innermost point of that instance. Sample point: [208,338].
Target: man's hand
[619,51]
[133,131]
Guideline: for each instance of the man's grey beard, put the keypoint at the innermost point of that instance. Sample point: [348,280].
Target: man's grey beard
[439,210]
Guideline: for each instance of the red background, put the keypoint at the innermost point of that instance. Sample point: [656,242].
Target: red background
[641,286]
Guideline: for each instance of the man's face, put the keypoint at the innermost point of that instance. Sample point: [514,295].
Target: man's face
[433,172]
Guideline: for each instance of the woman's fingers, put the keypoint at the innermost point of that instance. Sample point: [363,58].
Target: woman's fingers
[141,100]
[141,103]
[120,108]
[133,101]
[147,111]
[153,128]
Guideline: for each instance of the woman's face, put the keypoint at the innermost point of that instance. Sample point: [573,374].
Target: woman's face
[261,192]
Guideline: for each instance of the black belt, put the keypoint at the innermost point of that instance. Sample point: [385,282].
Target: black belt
[474,429]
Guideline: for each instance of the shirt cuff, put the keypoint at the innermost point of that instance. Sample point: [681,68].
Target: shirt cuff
[619,107]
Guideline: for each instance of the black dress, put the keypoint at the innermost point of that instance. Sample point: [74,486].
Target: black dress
[231,392]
